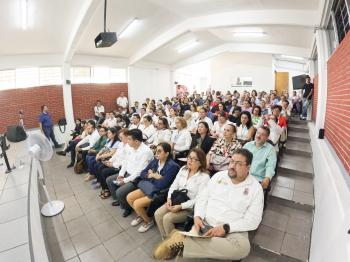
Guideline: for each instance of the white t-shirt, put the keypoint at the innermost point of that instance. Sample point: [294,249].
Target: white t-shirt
[98,110]
[122,101]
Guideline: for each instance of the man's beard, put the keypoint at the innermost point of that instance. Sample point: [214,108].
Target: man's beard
[232,174]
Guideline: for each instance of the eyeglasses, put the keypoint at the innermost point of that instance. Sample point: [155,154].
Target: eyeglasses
[239,163]
[158,151]
[192,159]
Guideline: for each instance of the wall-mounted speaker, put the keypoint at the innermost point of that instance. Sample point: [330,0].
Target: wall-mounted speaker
[68,82]
[321,133]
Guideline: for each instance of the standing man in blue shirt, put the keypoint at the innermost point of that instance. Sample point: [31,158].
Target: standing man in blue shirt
[46,125]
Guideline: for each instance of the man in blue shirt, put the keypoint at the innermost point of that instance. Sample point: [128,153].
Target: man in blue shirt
[264,158]
[46,125]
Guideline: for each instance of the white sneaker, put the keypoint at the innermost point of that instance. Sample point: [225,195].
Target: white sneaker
[145,227]
[136,221]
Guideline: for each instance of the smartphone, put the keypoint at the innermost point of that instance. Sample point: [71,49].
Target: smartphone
[205,229]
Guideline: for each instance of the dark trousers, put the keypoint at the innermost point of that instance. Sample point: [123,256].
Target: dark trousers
[48,132]
[71,149]
[105,173]
[122,193]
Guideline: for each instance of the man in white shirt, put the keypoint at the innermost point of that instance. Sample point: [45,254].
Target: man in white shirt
[136,122]
[99,109]
[230,205]
[122,101]
[86,143]
[136,160]
[110,120]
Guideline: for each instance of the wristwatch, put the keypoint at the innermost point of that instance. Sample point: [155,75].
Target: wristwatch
[226,228]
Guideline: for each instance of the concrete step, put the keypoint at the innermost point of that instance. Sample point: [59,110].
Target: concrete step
[298,136]
[298,148]
[297,121]
[283,235]
[298,128]
[296,165]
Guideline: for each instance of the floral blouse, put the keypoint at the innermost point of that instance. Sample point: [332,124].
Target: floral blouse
[223,148]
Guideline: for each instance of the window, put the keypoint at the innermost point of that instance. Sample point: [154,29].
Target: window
[100,75]
[7,79]
[27,77]
[81,75]
[50,76]
[118,75]
[341,18]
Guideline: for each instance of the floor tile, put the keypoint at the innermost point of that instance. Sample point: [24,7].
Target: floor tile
[283,192]
[98,216]
[285,182]
[13,233]
[57,233]
[71,213]
[275,220]
[13,210]
[78,226]
[304,185]
[120,245]
[135,255]
[298,226]
[74,259]
[296,246]
[303,198]
[107,229]
[15,193]
[96,254]
[20,253]
[63,251]
[269,238]
[84,241]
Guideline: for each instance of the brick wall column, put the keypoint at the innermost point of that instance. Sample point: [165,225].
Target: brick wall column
[323,54]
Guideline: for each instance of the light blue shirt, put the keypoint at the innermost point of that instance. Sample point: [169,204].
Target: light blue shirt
[264,160]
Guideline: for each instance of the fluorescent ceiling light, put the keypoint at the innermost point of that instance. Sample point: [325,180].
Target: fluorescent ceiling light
[293,57]
[187,46]
[24,14]
[131,26]
[249,34]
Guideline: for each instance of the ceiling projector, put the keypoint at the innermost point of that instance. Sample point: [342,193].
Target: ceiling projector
[105,39]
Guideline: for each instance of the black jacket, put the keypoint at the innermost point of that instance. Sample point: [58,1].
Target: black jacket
[206,143]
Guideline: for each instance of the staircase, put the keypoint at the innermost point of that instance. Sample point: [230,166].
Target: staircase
[285,231]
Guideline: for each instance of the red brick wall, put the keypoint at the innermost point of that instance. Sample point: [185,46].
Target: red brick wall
[315,98]
[337,123]
[84,97]
[30,100]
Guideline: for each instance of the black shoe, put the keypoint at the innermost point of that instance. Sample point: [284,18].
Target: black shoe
[126,213]
[58,145]
[70,165]
[115,203]
[61,153]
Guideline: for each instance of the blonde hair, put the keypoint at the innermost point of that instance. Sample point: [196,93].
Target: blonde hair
[182,121]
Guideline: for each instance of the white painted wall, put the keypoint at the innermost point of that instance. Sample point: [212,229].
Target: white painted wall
[149,81]
[226,66]
[330,240]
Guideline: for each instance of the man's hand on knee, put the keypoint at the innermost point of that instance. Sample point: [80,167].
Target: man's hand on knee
[218,231]
[198,223]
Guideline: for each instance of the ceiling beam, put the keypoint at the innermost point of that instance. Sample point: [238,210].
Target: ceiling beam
[243,47]
[82,21]
[240,18]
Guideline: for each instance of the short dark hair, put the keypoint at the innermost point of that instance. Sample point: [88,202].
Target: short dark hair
[201,157]
[136,134]
[103,127]
[137,116]
[246,153]
[258,107]
[148,118]
[42,107]
[165,122]
[277,106]
[92,122]
[267,129]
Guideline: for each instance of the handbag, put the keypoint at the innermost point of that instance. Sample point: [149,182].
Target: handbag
[159,198]
[220,163]
[147,187]
[79,165]
[179,196]
[62,122]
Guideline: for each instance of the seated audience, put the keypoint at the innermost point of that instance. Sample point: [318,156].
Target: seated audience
[105,153]
[158,175]
[245,130]
[192,178]
[181,138]
[135,122]
[256,115]
[203,139]
[110,168]
[148,129]
[189,120]
[137,158]
[219,125]
[221,152]
[203,116]
[172,118]
[222,214]
[163,132]
[110,120]
[76,138]
[247,106]
[98,110]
